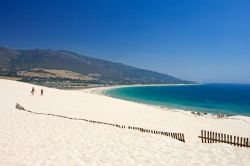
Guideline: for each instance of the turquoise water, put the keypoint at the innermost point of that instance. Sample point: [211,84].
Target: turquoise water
[232,99]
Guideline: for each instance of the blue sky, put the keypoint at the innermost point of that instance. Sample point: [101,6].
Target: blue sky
[199,40]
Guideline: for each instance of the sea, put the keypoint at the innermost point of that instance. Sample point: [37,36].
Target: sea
[230,99]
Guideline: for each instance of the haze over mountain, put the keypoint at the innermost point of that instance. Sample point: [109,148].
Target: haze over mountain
[13,61]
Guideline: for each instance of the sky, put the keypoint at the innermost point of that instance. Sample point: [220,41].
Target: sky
[198,40]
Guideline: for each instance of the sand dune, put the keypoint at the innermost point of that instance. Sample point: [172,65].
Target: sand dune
[29,139]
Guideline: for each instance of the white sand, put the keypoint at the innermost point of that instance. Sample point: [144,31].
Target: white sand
[29,139]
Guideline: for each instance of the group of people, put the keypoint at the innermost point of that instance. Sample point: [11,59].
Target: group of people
[33,91]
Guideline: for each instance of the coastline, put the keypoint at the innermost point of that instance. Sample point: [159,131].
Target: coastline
[102,91]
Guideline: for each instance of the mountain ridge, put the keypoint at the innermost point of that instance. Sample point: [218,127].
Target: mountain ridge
[15,60]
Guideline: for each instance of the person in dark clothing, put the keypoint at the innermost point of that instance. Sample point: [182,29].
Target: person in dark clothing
[33,91]
[41,92]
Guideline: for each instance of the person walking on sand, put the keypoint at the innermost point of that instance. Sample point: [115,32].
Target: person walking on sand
[33,91]
[41,92]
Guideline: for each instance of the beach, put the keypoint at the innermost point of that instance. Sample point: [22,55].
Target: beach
[31,139]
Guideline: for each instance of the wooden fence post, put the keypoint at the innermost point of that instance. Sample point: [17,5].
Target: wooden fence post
[215,137]
[202,136]
[208,136]
[234,140]
[211,137]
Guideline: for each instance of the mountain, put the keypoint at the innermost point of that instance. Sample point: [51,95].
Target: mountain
[14,61]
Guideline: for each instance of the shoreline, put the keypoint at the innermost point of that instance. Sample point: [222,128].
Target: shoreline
[101,91]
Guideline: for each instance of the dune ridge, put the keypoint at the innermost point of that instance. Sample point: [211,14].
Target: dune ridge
[26,139]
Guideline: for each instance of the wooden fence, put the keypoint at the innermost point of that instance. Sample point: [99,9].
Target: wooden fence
[214,137]
[177,136]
